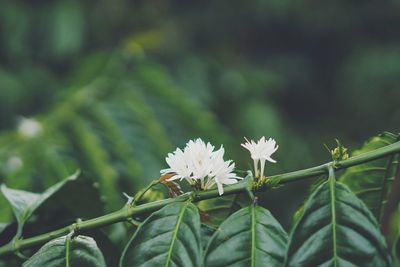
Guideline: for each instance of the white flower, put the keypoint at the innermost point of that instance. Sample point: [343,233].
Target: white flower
[223,174]
[199,156]
[29,127]
[260,152]
[178,165]
[14,163]
[200,165]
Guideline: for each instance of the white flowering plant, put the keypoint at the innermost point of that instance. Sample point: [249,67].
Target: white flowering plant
[261,151]
[201,166]
[345,221]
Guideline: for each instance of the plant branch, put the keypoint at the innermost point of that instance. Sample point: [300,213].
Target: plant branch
[129,211]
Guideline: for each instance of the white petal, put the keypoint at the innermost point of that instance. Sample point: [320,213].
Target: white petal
[270,159]
[262,167]
[220,188]
[230,181]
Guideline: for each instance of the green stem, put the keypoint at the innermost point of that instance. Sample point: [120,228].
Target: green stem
[129,211]
[253,236]
[343,164]
[143,192]
[332,186]
[67,249]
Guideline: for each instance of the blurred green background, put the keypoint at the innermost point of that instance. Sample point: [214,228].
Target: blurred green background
[110,87]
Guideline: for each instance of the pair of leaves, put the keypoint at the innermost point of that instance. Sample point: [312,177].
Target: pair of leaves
[171,237]
[63,251]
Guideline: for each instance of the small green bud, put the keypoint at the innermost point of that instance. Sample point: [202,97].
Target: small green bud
[339,152]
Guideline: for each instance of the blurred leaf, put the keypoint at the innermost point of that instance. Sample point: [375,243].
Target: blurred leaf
[3,226]
[79,197]
[117,128]
[83,251]
[216,210]
[372,181]
[15,29]
[8,232]
[336,228]
[151,195]
[25,203]
[67,29]
[169,237]
[364,77]
[266,115]
[396,250]
[188,110]
[155,193]
[145,40]
[249,237]
[390,221]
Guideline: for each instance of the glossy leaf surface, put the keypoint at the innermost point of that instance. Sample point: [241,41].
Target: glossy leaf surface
[336,229]
[249,237]
[83,251]
[169,237]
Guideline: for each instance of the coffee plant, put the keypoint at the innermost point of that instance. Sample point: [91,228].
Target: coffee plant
[210,215]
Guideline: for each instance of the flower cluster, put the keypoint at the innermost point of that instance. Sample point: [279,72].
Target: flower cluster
[261,151]
[201,166]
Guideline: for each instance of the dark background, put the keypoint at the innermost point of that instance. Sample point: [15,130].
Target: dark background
[116,85]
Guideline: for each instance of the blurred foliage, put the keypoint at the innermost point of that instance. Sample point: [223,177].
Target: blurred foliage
[372,182]
[116,85]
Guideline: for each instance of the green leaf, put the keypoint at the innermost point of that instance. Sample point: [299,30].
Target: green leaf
[297,214]
[110,250]
[249,237]
[3,226]
[206,234]
[5,229]
[169,237]
[372,181]
[216,210]
[77,198]
[24,203]
[396,252]
[79,251]
[336,229]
